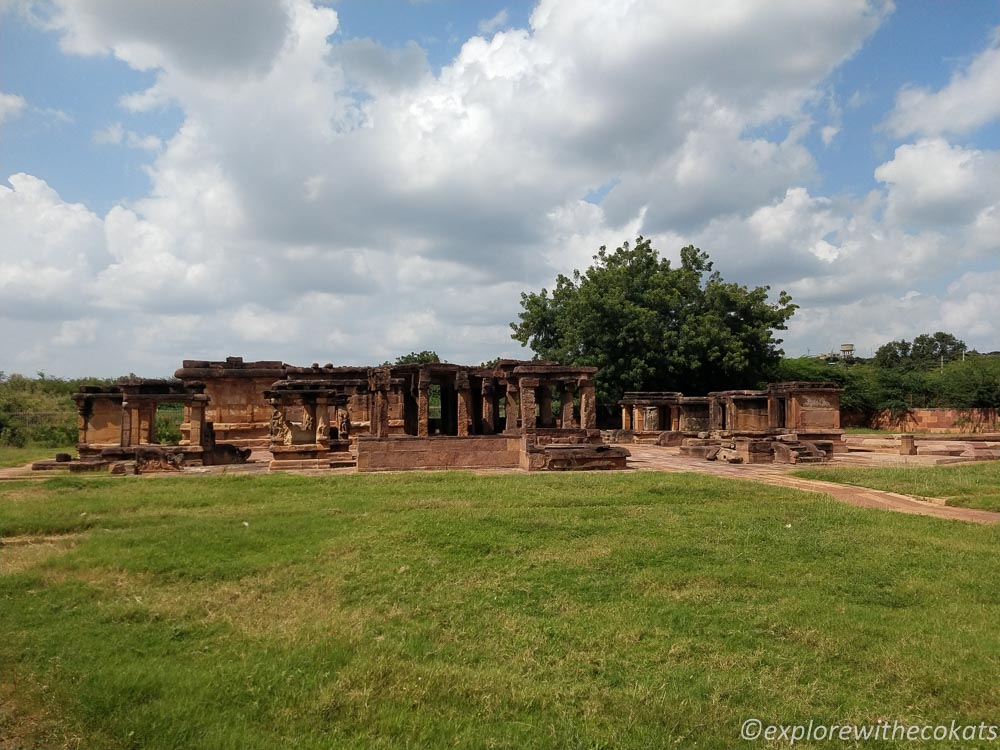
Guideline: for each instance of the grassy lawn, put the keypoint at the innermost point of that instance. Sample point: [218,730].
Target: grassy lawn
[21,456]
[971,485]
[499,611]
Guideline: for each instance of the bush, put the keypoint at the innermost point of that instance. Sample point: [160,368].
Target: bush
[53,435]
[168,421]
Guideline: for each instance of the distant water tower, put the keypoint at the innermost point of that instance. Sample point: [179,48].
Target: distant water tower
[847,351]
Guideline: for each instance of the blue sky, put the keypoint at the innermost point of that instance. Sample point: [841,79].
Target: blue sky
[348,181]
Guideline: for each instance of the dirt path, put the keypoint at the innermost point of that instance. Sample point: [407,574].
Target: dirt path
[653,458]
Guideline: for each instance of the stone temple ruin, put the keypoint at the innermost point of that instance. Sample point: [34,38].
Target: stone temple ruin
[531,415]
[116,426]
[514,414]
[786,423]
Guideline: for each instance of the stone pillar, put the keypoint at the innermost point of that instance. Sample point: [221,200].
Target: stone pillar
[489,415]
[135,434]
[639,418]
[378,383]
[774,411]
[423,405]
[715,421]
[84,410]
[626,416]
[464,392]
[131,425]
[544,398]
[149,422]
[196,419]
[588,405]
[568,419]
[125,433]
[528,418]
[512,408]
[792,413]
[322,421]
[907,445]
[380,419]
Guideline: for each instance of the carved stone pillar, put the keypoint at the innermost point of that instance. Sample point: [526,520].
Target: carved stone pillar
[464,393]
[567,418]
[489,416]
[423,404]
[528,417]
[125,433]
[379,382]
[512,408]
[588,405]
[343,422]
[322,421]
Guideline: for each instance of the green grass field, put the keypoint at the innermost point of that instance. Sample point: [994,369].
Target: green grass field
[447,610]
[970,485]
[10,457]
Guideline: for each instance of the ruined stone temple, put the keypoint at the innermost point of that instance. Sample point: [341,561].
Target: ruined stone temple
[531,415]
[786,423]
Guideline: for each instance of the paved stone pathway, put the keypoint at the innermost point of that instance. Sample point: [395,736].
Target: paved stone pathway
[655,458]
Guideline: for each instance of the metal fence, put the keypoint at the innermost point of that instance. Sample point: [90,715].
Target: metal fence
[31,419]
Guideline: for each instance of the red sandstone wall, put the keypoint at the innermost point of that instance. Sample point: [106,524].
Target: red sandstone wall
[816,411]
[939,420]
[476,452]
[750,417]
[105,423]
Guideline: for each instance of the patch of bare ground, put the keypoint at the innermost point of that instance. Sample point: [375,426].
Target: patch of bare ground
[21,553]
[25,723]
[272,605]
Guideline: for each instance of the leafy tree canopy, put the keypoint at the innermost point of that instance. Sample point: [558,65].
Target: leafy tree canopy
[417,358]
[650,326]
[930,350]
[893,354]
[926,350]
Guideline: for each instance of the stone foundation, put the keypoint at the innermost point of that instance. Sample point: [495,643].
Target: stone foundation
[406,453]
[574,457]
[758,449]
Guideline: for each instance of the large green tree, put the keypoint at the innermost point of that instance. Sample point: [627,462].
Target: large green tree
[926,350]
[893,354]
[649,325]
[935,349]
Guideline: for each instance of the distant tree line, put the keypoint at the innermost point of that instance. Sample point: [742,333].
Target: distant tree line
[933,371]
[39,410]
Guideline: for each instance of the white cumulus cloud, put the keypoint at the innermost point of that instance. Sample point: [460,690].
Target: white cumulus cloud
[11,105]
[330,199]
[968,101]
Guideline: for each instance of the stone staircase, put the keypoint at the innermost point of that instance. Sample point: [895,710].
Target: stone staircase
[792,451]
